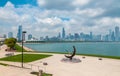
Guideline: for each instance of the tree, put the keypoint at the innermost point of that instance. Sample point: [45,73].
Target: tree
[10,42]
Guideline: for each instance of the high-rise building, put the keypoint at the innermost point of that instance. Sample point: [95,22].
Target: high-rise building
[19,34]
[59,35]
[63,33]
[82,36]
[110,35]
[76,36]
[91,36]
[41,38]
[10,35]
[116,33]
[70,36]
[113,36]
[46,38]
[29,36]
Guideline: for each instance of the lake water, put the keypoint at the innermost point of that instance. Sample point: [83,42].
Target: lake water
[101,48]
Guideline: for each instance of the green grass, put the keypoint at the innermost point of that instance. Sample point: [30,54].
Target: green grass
[4,64]
[26,57]
[43,74]
[19,48]
[92,55]
[104,56]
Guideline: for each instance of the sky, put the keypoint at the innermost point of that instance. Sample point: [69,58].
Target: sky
[48,17]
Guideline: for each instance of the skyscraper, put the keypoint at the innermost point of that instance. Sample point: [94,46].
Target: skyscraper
[10,35]
[59,35]
[29,36]
[91,36]
[63,33]
[19,34]
[116,33]
[76,36]
[113,36]
[110,35]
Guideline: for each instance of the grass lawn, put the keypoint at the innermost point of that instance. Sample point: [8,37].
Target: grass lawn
[26,57]
[94,55]
[3,64]
[43,74]
[19,48]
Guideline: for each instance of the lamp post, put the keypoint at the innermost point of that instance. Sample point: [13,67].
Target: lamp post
[23,36]
[0,45]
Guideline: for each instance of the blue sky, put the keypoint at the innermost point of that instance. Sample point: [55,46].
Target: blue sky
[48,17]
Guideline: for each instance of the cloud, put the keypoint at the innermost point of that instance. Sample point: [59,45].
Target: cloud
[52,15]
[62,4]
[90,12]
[9,4]
[55,4]
[111,12]
[80,2]
[50,21]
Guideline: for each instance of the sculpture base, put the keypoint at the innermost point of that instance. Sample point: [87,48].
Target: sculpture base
[74,60]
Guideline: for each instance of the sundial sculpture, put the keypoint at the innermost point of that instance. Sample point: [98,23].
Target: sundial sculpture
[71,55]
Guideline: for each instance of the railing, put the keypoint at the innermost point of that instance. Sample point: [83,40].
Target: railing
[32,67]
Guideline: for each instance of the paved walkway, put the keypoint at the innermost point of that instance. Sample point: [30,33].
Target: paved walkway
[10,70]
[14,71]
[90,66]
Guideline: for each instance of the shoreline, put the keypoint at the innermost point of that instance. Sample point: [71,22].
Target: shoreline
[92,55]
[26,48]
[69,41]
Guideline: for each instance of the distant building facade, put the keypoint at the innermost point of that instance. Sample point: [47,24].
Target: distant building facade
[10,35]
[63,33]
[19,34]
[116,33]
[112,35]
[30,37]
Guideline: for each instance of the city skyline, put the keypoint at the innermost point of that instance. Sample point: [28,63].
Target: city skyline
[45,17]
[112,35]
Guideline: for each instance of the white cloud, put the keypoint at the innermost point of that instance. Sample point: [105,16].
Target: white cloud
[80,2]
[47,21]
[117,20]
[108,21]
[41,2]
[89,12]
[9,4]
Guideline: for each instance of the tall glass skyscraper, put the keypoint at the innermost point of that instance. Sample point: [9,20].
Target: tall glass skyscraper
[63,33]
[19,34]
[116,33]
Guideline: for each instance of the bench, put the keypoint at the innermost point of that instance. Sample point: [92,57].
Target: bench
[9,54]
